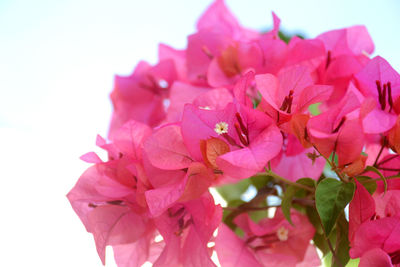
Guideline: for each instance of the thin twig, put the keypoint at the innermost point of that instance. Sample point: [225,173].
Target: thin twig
[277,177]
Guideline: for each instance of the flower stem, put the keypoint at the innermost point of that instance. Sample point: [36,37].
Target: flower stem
[286,181]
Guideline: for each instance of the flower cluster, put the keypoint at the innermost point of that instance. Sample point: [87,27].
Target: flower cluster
[240,108]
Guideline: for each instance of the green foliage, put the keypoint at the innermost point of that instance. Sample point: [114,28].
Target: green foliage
[368,183]
[287,202]
[331,197]
[375,170]
[342,245]
[260,181]
[233,191]
[294,191]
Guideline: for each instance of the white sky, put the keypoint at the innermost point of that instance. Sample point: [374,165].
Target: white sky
[57,61]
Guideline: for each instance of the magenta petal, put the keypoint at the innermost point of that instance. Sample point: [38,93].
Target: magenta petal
[378,69]
[232,251]
[214,99]
[111,225]
[240,89]
[180,94]
[382,233]
[160,199]
[91,157]
[375,257]
[378,121]
[352,40]
[166,150]
[199,124]
[313,94]
[361,209]
[298,166]
[247,161]
[195,252]
[218,16]
[216,76]
[268,85]
[130,137]
[137,253]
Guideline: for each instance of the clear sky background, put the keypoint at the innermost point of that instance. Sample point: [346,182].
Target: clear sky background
[57,63]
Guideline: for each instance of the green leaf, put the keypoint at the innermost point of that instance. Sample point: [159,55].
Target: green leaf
[368,183]
[353,263]
[320,242]
[313,217]
[331,197]
[287,202]
[307,182]
[375,170]
[233,191]
[327,259]
[342,245]
[260,181]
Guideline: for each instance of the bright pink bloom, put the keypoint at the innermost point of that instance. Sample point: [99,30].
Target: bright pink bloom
[379,81]
[382,230]
[187,228]
[375,257]
[270,242]
[354,40]
[294,161]
[339,129]
[140,96]
[361,209]
[292,91]
[252,137]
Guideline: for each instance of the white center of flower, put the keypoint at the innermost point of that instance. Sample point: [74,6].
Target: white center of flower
[221,127]
[282,233]
[205,107]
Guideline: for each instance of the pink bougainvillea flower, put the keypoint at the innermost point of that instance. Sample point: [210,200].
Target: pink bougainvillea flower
[182,93]
[271,242]
[235,60]
[107,208]
[380,233]
[361,209]
[218,18]
[353,40]
[166,52]
[382,229]
[378,80]
[166,149]
[339,129]
[375,257]
[309,53]
[187,228]
[140,96]
[346,52]
[197,180]
[295,162]
[252,137]
[292,91]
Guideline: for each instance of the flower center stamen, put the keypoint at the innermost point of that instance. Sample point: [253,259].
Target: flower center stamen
[282,233]
[221,127]
[382,92]
[287,102]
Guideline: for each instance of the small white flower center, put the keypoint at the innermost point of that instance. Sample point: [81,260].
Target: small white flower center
[205,107]
[282,233]
[221,127]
